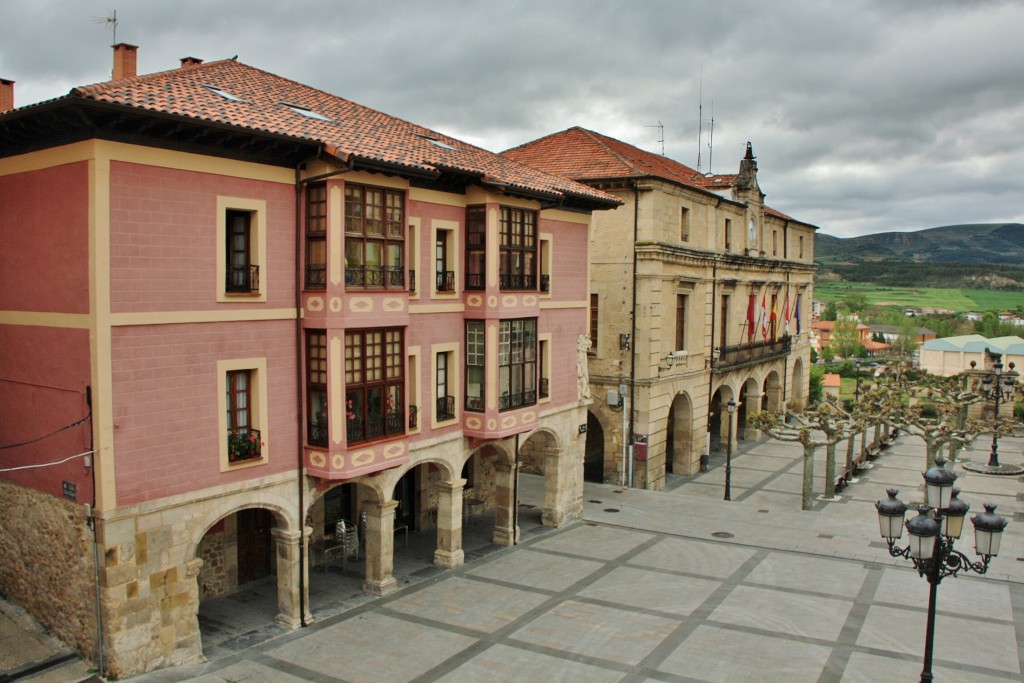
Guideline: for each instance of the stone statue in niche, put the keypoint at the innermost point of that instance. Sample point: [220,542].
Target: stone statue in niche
[582,374]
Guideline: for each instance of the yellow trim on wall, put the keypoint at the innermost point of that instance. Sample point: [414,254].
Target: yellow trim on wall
[336,234]
[413,383]
[544,347]
[193,317]
[565,216]
[419,194]
[453,379]
[564,304]
[437,308]
[259,410]
[258,209]
[413,255]
[75,321]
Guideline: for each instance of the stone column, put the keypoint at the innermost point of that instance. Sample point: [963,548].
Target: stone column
[753,404]
[449,524]
[563,488]
[506,531]
[286,549]
[380,547]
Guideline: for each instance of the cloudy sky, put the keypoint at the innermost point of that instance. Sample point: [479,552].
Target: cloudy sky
[865,115]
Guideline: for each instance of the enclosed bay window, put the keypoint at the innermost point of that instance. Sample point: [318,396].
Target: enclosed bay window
[475,365]
[374,237]
[316,387]
[374,384]
[316,236]
[517,363]
[476,247]
[517,261]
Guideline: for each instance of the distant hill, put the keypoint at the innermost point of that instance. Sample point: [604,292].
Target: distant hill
[974,243]
[974,256]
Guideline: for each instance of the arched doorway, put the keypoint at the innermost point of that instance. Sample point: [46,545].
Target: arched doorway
[799,386]
[679,438]
[771,395]
[748,403]
[593,457]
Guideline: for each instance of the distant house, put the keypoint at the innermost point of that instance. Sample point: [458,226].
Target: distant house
[831,383]
[892,332]
[821,334]
[953,355]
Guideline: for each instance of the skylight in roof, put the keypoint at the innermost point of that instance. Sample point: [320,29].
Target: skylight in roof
[223,93]
[306,111]
[438,142]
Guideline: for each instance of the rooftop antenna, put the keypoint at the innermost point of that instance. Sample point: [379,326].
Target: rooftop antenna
[661,135]
[711,137]
[109,22]
[700,115]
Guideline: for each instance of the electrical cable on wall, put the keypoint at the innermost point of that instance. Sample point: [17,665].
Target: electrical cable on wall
[47,464]
[47,436]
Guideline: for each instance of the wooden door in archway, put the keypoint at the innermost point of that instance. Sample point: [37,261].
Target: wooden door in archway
[255,546]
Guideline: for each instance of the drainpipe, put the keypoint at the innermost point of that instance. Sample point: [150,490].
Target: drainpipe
[299,394]
[711,359]
[91,521]
[632,350]
[300,182]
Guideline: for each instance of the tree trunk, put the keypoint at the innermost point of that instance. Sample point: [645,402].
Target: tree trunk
[807,496]
[830,470]
[850,443]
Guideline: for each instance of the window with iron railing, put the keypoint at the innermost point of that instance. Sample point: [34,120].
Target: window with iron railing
[517,363]
[374,237]
[446,281]
[413,417]
[517,259]
[243,276]
[316,236]
[445,408]
[244,441]
[476,247]
[316,387]
[544,393]
[374,384]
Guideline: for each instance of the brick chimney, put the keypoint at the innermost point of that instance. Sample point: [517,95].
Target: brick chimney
[124,61]
[190,61]
[6,95]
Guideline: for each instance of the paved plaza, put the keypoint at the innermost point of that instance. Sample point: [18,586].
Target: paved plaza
[673,586]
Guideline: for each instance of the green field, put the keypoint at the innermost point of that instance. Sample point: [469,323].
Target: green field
[961,300]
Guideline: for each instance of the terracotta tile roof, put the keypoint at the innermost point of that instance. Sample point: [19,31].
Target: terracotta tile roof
[585,155]
[254,99]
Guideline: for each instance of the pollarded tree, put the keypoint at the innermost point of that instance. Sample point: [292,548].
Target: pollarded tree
[823,425]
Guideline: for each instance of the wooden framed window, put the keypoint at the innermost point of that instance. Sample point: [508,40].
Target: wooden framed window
[684,224]
[244,441]
[445,402]
[517,260]
[728,234]
[474,365]
[681,300]
[443,272]
[316,387]
[724,316]
[476,247]
[316,236]
[594,327]
[374,384]
[517,363]
[374,237]
[243,276]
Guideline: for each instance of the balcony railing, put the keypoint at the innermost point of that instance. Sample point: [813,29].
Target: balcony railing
[316,434]
[475,281]
[544,387]
[377,427]
[513,401]
[243,279]
[375,277]
[413,416]
[513,281]
[446,408]
[412,280]
[474,404]
[244,444]
[316,276]
[545,283]
[446,281]
[731,357]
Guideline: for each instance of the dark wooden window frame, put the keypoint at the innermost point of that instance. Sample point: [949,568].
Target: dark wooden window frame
[517,363]
[243,276]
[476,248]
[374,384]
[517,260]
[380,225]
[244,439]
[316,236]
[316,388]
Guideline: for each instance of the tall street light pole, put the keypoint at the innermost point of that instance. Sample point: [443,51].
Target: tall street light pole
[932,533]
[730,408]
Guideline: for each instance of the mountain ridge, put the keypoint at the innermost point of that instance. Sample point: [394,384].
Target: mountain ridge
[977,243]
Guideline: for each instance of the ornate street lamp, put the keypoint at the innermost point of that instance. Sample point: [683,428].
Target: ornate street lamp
[996,386]
[932,533]
[731,408]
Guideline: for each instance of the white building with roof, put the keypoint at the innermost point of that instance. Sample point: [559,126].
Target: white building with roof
[953,355]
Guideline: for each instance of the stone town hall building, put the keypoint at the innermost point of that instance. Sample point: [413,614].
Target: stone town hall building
[699,294]
[234,310]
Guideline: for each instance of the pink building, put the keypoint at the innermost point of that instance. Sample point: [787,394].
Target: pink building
[235,311]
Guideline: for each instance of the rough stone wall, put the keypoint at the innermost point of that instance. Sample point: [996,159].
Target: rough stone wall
[213,575]
[46,564]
